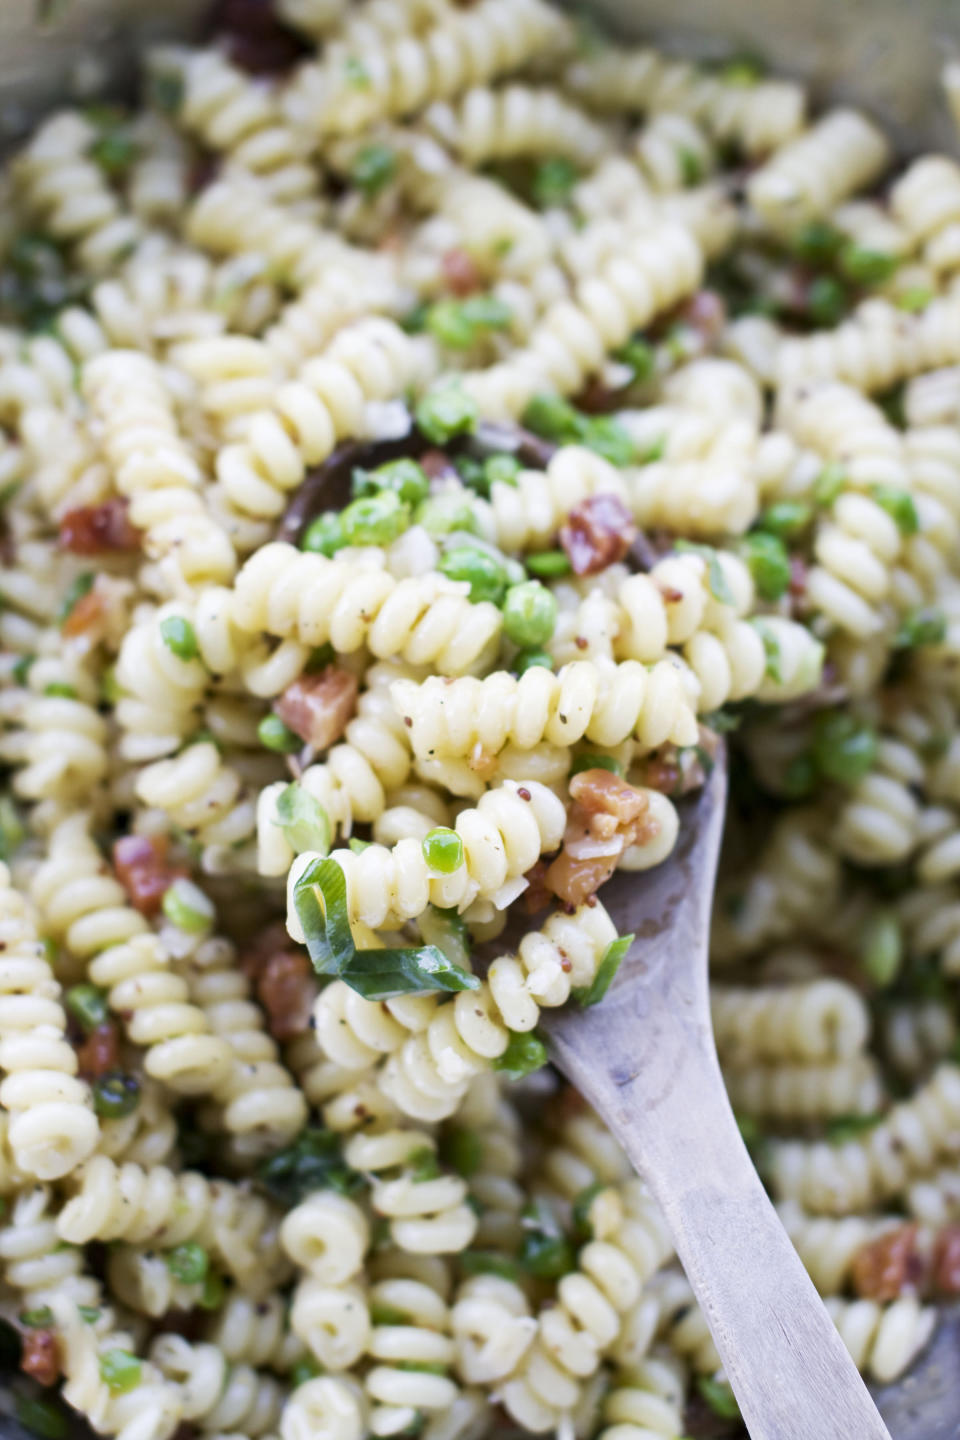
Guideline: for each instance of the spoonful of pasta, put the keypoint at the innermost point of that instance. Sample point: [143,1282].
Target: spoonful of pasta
[645,1059]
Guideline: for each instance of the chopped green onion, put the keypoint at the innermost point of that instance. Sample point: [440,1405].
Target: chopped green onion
[115,153]
[357,74]
[308,1369]
[462,1150]
[524,1054]
[640,356]
[422,1165]
[867,267]
[481,570]
[443,850]
[592,761]
[719,1396]
[771,648]
[899,505]
[115,1095]
[592,994]
[188,1263]
[275,735]
[382,1314]
[489,1262]
[692,168]
[445,411]
[548,1257]
[120,1371]
[529,614]
[829,484]
[817,243]
[358,846]
[313,1161]
[924,626]
[768,563]
[373,167]
[12,831]
[582,1206]
[59,690]
[81,586]
[180,637]
[88,1005]
[186,906]
[89,1314]
[915,298]
[716,579]
[22,668]
[844,748]
[305,823]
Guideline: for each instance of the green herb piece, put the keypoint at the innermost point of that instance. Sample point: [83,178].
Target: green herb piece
[899,506]
[545,1251]
[445,411]
[592,761]
[313,1161]
[404,477]
[844,748]
[914,299]
[608,438]
[22,668]
[275,735]
[924,626]
[120,1371]
[768,562]
[89,1314]
[881,948]
[639,356]
[552,417]
[692,167]
[716,579]
[867,267]
[719,1397]
[481,570]
[356,73]
[81,586]
[528,659]
[847,1127]
[771,648]
[305,823]
[320,901]
[827,301]
[37,1319]
[448,931]
[375,519]
[42,1416]
[186,906]
[115,153]
[88,1005]
[582,1206]
[786,520]
[443,850]
[373,167]
[324,535]
[382,1314]
[214,1292]
[592,994]
[829,484]
[116,1095]
[524,1054]
[548,564]
[529,614]
[462,1150]
[422,1165]
[358,846]
[553,180]
[188,1263]
[817,243]
[180,637]
[489,1262]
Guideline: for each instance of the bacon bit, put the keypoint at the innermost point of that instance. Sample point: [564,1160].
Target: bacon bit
[536,897]
[436,464]
[286,990]
[661,770]
[599,531]
[40,1356]
[597,398]
[140,862]
[885,1267]
[461,272]
[317,707]
[87,617]
[256,40]
[100,1052]
[946,1261]
[607,813]
[706,313]
[99,529]
[264,945]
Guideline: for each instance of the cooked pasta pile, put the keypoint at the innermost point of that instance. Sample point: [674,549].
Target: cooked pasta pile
[427,429]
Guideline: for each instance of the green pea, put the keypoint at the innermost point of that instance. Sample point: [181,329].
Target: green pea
[548,564]
[829,484]
[188,1263]
[303,1371]
[817,243]
[42,1417]
[180,637]
[524,1054]
[546,1256]
[768,563]
[528,659]
[120,1371]
[442,514]
[115,153]
[375,520]
[827,301]
[787,519]
[719,1396]
[443,850]
[88,1005]
[529,614]
[324,536]
[844,748]
[274,735]
[484,574]
[462,1150]
[374,166]
[915,298]
[214,1292]
[448,323]
[640,356]
[186,906]
[925,626]
[867,267]
[552,417]
[692,168]
[553,181]
[501,470]
[115,1095]
[405,477]
[58,690]
[445,411]
[37,1319]
[881,950]
[899,506]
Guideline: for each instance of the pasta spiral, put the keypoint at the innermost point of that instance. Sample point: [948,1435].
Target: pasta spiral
[806,1092]
[52,1124]
[427,1217]
[35,1263]
[883,1339]
[219,1396]
[842,153]
[487,125]
[824,1020]
[643,1404]
[828,1247]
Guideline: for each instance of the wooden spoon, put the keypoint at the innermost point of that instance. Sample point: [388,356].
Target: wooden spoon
[645,1059]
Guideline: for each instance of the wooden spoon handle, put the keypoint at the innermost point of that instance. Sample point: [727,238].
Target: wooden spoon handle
[789,1369]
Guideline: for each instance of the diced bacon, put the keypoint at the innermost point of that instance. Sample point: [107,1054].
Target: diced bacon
[40,1356]
[600,791]
[887,1266]
[461,272]
[100,1052]
[255,38]
[286,990]
[436,464]
[599,531]
[99,529]
[572,880]
[536,897]
[318,707]
[946,1261]
[607,815]
[143,870]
